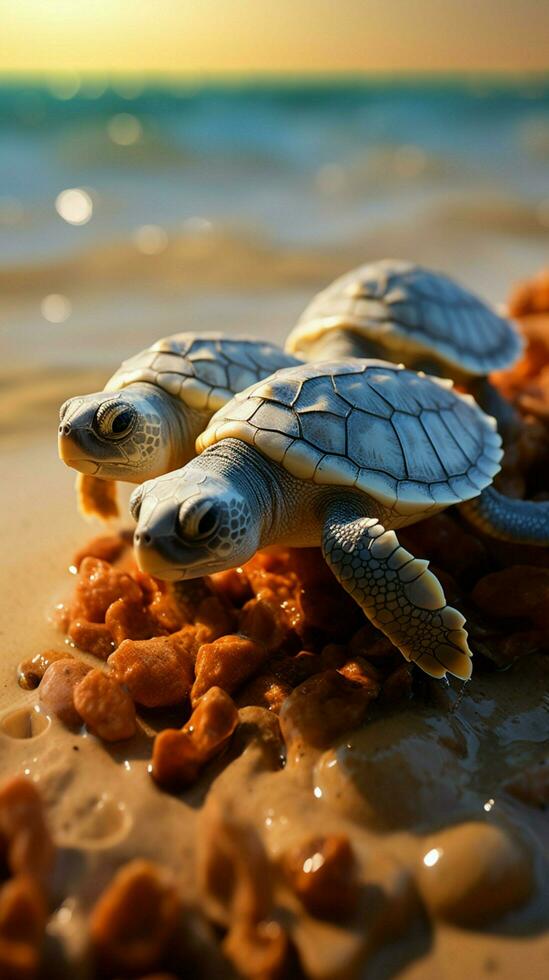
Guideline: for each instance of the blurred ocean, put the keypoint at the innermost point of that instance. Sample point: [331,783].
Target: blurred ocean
[226,207]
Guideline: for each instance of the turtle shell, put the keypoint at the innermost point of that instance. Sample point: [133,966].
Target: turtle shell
[406,439]
[412,311]
[202,370]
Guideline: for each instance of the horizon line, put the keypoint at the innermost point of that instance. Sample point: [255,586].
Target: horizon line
[282,74]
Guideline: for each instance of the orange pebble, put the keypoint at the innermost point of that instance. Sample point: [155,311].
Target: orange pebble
[360,671]
[226,663]
[23,917]
[179,755]
[262,620]
[26,845]
[133,921]
[32,670]
[322,873]
[531,296]
[213,619]
[158,671]
[105,707]
[165,615]
[232,585]
[106,547]
[128,620]
[99,585]
[265,691]
[94,638]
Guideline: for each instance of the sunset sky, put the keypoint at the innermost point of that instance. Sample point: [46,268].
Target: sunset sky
[220,36]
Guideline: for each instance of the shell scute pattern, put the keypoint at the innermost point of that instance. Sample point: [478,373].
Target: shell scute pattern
[448,450]
[359,395]
[311,400]
[242,408]
[317,428]
[389,387]
[415,307]
[172,363]
[204,371]
[240,377]
[285,392]
[420,454]
[447,312]
[273,444]
[374,444]
[178,344]
[336,471]
[411,459]
[276,417]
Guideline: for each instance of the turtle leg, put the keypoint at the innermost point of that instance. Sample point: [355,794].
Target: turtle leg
[96,498]
[517,521]
[396,591]
[506,415]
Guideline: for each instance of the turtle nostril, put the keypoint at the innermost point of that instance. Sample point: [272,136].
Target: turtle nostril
[142,538]
[64,429]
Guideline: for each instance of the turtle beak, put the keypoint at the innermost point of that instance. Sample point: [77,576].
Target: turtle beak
[71,453]
[68,442]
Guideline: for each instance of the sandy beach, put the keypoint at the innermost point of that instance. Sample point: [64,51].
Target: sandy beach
[246,231]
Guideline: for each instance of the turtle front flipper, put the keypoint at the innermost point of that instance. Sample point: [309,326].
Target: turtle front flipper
[517,521]
[397,592]
[96,498]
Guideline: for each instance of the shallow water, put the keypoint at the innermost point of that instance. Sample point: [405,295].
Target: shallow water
[258,195]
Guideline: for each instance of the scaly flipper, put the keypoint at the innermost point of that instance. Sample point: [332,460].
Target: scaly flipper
[518,521]
[397,592]
[96,498]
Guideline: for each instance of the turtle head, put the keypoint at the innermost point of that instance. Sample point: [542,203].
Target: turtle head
[132,435]
[192,523]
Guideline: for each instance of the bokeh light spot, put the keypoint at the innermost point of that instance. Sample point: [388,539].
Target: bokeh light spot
[65,86]
[129,88]
[124,129]
[74,205]
[432,856]
[150,239]
[56,308]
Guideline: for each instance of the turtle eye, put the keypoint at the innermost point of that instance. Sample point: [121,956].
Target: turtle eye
[114,420]
[198,521]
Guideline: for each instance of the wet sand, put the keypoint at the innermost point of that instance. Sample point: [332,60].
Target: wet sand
[392,786]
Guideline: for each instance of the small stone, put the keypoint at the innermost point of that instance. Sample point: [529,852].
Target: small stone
[473,873]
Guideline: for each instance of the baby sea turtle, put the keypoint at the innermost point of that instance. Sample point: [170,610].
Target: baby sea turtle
[403,312]
[339,454]
[146,420]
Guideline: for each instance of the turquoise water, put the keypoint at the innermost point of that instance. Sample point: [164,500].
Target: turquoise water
[258,195]
[293,163]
